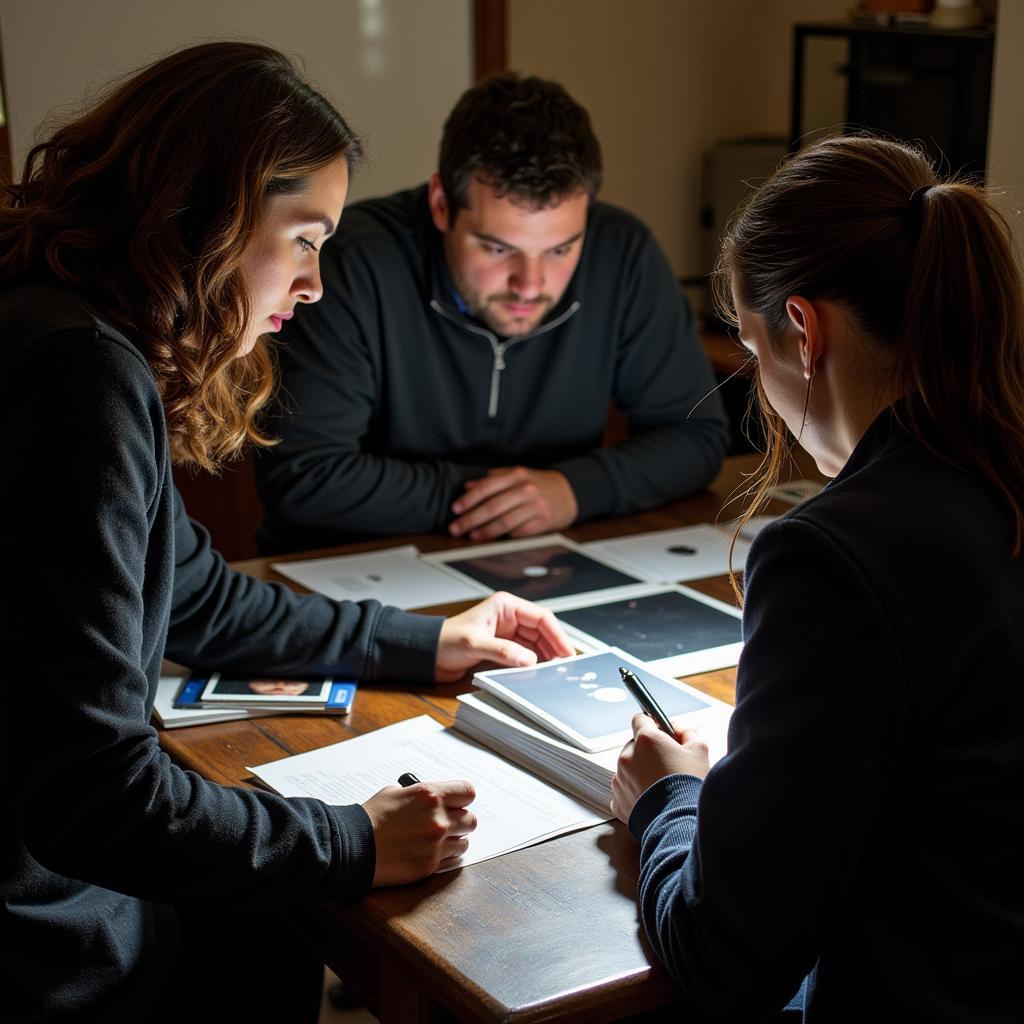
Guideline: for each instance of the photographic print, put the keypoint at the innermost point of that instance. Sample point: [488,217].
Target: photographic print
[657,626]
[223,688]
[540,573]
[671,556]
[584,698]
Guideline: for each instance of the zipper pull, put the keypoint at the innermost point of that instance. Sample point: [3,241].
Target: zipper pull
[498,347]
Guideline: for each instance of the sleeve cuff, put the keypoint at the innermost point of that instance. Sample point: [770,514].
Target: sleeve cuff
[406,646]
[680,792]
[358,851]
[595,493]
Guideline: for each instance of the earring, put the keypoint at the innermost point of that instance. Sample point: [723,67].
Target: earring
[809,375]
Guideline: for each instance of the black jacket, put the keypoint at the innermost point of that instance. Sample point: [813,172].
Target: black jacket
[867,824]
[392,399]
[99,832]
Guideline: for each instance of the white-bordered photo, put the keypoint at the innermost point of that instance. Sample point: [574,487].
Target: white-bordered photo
[675,630]
[536,568]
[225,688]
[396,576]
[672,556]
[583,699]
[795,492]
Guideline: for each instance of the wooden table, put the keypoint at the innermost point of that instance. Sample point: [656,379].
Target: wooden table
[546,933]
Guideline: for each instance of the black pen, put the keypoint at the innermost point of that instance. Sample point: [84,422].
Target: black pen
[407,779]
[646,701]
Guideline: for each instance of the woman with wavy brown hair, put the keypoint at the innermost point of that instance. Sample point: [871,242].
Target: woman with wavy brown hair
[146,251]
[866,828]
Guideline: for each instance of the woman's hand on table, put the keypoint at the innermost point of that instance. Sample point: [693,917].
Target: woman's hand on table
[503,630]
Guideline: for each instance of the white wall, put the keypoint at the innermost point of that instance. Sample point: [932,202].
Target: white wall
[664,80]
[1006,127]
[393,67]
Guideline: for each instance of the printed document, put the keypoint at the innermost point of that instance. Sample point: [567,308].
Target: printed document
[514,808]
[394,576]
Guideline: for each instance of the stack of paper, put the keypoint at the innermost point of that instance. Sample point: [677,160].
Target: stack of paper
[167,716]
[514,808]
[566,720]
[495,724]
[188,699]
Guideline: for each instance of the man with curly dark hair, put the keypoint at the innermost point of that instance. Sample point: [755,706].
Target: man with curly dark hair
[458,372]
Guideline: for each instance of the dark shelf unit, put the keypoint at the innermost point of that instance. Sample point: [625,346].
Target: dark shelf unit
[912,82]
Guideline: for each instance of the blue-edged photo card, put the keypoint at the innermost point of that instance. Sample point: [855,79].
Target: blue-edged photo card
[223,689]
[340,697]
[190,693]
[584,701]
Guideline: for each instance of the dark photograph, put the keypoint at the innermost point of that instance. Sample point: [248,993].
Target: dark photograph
[540,573]
[656,626]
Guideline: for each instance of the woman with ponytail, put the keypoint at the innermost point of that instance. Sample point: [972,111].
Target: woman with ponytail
[148,248]
[866,828]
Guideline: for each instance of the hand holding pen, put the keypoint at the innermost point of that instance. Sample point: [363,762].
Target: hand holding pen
[643,697]
[657,749]
[419,827]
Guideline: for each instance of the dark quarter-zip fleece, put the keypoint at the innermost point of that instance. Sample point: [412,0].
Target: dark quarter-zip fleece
[392,399]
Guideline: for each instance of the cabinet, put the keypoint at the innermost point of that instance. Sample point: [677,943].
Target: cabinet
[912,82]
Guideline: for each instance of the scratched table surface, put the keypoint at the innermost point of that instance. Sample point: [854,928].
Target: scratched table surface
[546,933]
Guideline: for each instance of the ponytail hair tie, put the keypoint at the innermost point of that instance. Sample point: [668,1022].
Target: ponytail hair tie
[916,206]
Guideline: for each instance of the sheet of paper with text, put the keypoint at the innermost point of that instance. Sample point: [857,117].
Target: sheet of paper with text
[514,808]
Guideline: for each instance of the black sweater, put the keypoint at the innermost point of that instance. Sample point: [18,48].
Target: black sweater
[98,828]
[392,399]
[867,824]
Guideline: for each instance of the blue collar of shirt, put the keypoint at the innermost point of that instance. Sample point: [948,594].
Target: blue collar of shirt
[446,280]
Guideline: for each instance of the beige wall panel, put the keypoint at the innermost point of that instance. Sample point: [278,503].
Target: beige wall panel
[1006,128]
[393,67]
[664,80]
